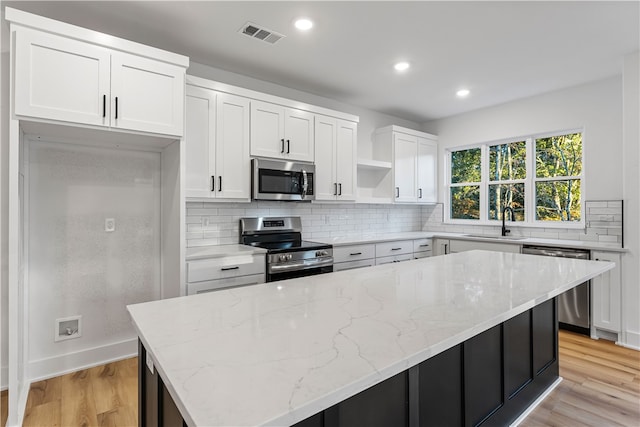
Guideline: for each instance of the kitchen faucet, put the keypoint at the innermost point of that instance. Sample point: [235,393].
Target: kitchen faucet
[504,227]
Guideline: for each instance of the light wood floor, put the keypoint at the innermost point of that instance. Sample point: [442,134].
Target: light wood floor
[601,387]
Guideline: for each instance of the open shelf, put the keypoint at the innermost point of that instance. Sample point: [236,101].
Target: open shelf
[373,164]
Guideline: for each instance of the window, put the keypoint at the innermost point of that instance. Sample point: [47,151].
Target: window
[465,184]
[539,177]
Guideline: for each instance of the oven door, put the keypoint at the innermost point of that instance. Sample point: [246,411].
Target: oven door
[274,276]
[277,180]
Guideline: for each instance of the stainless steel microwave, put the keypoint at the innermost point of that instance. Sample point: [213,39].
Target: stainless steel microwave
[281,180]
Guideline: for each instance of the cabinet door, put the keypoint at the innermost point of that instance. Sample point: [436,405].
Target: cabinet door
[325,155]
[298,127]
[267,130]
[232,147]
[146,95]
[199,142]
[427,167]
[61,79]
[346,145]
[606,294]
[405,151]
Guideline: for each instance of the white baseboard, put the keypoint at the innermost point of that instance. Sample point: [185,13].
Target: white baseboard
[4,374]
[54,366]
[536,402]
[632,340]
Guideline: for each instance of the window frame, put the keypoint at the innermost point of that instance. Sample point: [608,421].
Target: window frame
[529,183]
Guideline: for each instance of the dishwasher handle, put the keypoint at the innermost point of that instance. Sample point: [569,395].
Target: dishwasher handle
[556,252]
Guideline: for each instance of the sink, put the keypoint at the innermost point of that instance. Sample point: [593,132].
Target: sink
[488,236]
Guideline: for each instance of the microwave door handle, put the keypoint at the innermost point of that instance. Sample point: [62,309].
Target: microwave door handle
[305,184]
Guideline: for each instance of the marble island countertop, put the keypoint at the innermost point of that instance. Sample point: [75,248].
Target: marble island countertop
[277,353]
[409,235]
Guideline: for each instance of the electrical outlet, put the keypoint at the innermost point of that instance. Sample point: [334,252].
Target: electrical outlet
[109,225]
[205,221]
[67,328]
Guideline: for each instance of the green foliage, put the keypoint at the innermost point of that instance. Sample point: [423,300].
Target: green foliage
[465,166]
[465,202]
[508,161]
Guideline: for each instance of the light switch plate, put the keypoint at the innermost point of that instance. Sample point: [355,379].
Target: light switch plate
[109,225]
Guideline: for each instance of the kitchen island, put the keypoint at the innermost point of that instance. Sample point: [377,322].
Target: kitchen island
[471,335]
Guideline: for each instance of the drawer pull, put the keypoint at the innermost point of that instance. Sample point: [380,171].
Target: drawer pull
[424,246]
[395,249]
[230,268]
[356,253]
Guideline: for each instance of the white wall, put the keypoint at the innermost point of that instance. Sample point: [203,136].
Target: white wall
[596,106]
[631,189]
[75,267]
[369,120]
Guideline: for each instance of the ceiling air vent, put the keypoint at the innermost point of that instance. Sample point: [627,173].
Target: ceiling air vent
[257,32]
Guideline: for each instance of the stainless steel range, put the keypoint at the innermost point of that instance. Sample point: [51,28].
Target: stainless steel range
[288,256]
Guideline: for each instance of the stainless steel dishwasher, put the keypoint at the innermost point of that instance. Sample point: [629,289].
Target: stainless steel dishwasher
[574,306]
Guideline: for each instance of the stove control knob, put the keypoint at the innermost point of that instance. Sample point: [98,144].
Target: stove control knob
[321,253]
[289,256]
[283,257]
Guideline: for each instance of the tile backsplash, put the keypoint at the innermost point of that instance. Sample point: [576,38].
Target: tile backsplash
[217,223]
[211,223]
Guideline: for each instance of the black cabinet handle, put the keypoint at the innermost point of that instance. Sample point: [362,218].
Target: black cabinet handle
[397,192]
[282,141]
[230,268]
[104,105]
[424,246]
[340,189]
[395,249]
[335,188]
[116,107]
[288,146]
[356,253]
[420,190]
[213,183]
[220,183]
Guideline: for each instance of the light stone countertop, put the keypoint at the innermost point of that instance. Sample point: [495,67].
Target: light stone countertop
[218,251]
[410,235]
[277,353]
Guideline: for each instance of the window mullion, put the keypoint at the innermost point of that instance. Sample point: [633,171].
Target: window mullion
[529,186]
[484,183]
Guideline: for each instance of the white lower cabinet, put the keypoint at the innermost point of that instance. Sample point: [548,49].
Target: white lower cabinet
[394,258]
[469,245]
[422,248]
[606,294]
[215,273]
[353,256]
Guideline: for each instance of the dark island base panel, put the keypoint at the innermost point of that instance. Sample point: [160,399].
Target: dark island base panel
[488,380]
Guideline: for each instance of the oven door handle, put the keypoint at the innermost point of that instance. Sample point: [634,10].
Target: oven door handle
[301,265]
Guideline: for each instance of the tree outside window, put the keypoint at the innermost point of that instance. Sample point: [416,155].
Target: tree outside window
[466,174]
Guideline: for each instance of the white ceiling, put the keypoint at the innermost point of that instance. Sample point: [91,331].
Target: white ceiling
[501,51]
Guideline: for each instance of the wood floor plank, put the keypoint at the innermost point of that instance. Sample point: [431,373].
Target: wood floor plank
[4,403]
[44,414]
[77,400]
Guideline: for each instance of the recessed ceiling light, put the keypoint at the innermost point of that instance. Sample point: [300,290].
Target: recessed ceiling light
[303,24]
[462,93]
[401,66]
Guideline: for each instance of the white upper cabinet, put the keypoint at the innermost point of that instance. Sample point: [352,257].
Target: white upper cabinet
[405,148]
[335,159]
[217,163]
[427,175]
[61,79]
[414,164]
[64,79]
[146,95]
[281,133]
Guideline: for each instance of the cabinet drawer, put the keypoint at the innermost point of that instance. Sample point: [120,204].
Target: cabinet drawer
[422,245]
[423,254]
[213,285]
[352,265]
[467,245]
[394,248]
[394,258]
[225,267]
[353,253]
